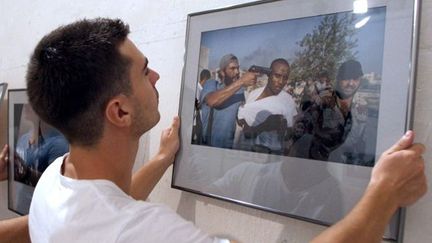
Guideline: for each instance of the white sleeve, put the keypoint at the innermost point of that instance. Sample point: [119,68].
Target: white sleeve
[158,223]
[220,240]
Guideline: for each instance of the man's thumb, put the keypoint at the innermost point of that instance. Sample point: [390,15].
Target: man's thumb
[403,143]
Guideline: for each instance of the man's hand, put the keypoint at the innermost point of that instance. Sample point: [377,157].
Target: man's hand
[4,163]
[398,180]
[400,172]
[326,98]
[275,122]
[248,79]
[170,141]
[146,178]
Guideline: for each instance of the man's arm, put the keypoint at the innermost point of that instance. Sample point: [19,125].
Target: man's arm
[398,180]
[218,97]
[273,122]
[14,230]
[146,178]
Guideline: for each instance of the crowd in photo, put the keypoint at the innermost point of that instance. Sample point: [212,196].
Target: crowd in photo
[264,110]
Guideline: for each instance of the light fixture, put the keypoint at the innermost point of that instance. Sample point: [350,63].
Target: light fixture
[362,22]
[360,6]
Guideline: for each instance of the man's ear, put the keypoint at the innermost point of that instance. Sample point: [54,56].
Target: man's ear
[118,111]
[222,74]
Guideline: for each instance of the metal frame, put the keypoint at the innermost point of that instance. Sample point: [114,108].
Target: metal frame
[409,116]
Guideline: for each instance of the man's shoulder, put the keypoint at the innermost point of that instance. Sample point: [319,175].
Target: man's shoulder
[211,82]
[53,170]
[151,219]
[254,94]
[113,215]
[209,86]
[286,95]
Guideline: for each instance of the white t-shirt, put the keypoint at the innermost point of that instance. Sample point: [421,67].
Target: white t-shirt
[266,185]
[68,210]
[255,112]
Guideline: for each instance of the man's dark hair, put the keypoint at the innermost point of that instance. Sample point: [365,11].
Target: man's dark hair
[279,60]
[224,62]
[73,73]
[323,74]
[350,69]
[205,74]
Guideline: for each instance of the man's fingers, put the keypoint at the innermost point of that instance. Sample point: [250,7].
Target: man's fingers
[418,148]
[4,151]
[176,122]
[173,128]
[403,143]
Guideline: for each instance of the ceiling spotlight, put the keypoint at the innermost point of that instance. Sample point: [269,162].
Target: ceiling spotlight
[360,6]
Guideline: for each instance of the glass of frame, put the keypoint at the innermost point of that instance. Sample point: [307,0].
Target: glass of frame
[286,105]
[33,145]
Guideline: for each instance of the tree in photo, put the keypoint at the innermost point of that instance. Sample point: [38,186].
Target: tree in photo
[329,44]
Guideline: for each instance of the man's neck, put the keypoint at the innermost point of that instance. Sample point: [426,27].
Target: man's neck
[227,81]
[266,93]
[112,160]
[345,105]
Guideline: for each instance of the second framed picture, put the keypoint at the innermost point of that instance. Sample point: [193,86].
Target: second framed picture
[33,145]
[287,105]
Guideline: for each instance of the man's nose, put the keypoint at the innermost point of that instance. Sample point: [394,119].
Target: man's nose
[279,80]
[352,82]
[153,76]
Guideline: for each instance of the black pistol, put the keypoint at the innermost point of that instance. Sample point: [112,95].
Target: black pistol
[260,69]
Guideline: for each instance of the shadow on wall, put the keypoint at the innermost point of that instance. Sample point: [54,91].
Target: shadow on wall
[293,230]
[186,206]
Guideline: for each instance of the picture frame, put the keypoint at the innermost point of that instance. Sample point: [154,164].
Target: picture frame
[3,88]
[33,145]
[323,178]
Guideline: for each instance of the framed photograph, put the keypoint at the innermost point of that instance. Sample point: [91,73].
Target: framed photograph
[3,87]
[287,105]
[33,145]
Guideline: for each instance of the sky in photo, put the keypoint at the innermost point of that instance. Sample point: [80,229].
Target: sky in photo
[260,44]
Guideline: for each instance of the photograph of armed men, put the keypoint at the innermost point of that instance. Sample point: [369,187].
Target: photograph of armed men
[305,88]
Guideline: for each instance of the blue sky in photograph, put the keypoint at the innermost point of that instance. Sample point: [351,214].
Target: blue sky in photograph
[260,44]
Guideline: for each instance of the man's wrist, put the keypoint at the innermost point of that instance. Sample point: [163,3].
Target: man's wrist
[242,82]
[383,196]
[164,158]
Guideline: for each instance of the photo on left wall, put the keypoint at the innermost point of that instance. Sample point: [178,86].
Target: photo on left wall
[33,146]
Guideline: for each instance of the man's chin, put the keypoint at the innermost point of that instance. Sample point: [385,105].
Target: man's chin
[276,91]
[345,95]
[232,80]
[157,119]
[152,123]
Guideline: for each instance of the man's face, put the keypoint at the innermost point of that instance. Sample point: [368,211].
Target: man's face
[324,80]
[231,73]
[144,97]
[299,129]
[348,87]
[278,78]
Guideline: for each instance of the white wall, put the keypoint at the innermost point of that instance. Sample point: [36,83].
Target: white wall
[158,28]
